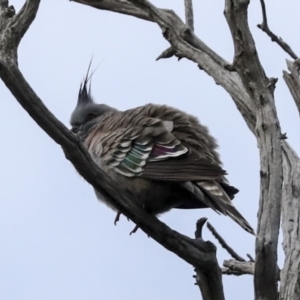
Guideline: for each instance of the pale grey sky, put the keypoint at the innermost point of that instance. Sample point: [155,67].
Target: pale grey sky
[56,240]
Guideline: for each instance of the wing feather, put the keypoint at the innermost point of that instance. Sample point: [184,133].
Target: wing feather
[135,144]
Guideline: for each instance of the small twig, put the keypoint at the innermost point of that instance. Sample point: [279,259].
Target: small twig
[265,28]
[223,243]
[272,84]
[167,53]
[189,14]
[292,80]
[250,257]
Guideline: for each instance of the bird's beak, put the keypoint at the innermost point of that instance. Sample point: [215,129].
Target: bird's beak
[75,129]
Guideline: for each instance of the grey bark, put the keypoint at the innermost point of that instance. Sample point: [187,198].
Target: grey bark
[189,14]
[235,267]
[290,275]
[264,26]
[268,134]
[292,80]
[206,283]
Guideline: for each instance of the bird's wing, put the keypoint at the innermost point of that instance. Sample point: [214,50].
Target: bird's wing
[136,145]
[183,168]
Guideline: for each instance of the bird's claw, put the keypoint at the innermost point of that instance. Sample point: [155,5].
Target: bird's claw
[134,229]
[117,218]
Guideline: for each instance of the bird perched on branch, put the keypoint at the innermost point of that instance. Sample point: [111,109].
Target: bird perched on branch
[160,153]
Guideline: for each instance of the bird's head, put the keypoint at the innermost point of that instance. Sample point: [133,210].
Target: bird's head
[87,113]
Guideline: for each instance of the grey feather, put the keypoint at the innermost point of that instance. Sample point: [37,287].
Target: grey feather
[160,153]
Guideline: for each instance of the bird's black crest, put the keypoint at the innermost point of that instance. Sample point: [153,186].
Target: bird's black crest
[84,95]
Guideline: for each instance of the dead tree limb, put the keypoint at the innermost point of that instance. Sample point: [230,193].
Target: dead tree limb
[264,26]
[238,268]
[223,243]
[292,80]
[203,279]
[268,134]
[290,276]
[189,13]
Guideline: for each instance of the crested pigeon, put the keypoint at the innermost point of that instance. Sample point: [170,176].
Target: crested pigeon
[159,152]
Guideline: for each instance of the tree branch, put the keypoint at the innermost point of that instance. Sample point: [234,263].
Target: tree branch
[290,275]
[235,267]
[292,80]
[26,16]
[18,23]
[167,53]
[224,244]
[189,14]
[117,6]
[248,66]
[209,291]
[274,38]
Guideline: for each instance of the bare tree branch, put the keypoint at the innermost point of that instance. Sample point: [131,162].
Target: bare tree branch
[199,227]
[234,267]
[203,279]
[223,243]
[122,7]
[250,257]
[292,80]
[248,66]
[274,38]
[290,275]
[189,13]
[167,53]
[18,23]
[26,16]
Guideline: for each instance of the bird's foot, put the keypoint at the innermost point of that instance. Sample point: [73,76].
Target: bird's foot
[117,218]
[134,229]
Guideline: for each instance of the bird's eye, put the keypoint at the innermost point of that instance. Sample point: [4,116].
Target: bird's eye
[91,117]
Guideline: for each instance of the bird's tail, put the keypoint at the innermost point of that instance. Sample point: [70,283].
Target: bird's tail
[216,198]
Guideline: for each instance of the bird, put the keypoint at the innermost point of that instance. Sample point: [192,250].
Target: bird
[165,156]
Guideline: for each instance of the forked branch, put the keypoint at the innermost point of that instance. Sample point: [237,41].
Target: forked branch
[189,13]
[274,38]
